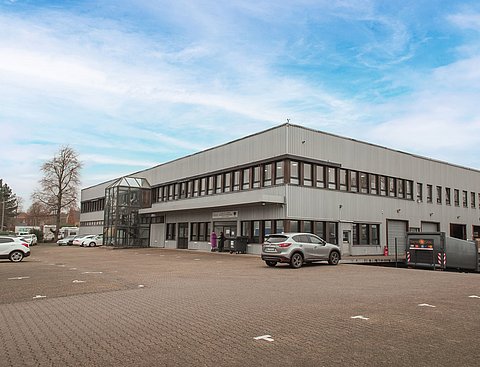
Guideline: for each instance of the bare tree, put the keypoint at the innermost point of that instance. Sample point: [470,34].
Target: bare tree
[37,213]
[73,217]
[60,183]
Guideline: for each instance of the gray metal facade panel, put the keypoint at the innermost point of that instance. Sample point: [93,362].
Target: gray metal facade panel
[94,192]
[429,227]
[92,216]
[366,157]
[90,230]
[323,204]
[320,204]
[311,144]
[274,194]
[271,212]
[240,152]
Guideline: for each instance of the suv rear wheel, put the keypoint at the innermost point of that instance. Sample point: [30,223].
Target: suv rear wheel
[16,256]
[296,261]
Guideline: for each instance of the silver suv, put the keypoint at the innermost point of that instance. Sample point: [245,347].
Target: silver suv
[298,248]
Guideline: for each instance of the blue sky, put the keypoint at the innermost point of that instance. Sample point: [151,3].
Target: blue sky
[131,84]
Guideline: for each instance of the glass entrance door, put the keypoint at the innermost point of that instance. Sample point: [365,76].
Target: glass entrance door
[229,230]
[182,241]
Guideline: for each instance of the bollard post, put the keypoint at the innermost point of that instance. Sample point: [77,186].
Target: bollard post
[396,258]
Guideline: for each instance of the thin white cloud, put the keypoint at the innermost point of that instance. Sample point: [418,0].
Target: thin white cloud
[466,20]
[94,159]
[441,118]
[47,67]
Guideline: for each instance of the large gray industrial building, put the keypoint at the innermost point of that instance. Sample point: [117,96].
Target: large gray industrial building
[289,178]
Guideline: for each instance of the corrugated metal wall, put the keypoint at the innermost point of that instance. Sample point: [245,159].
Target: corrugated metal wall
[240,152]
[367,157]
[318,204]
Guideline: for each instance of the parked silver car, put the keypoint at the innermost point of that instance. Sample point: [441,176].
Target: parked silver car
[67,241]
[298,248]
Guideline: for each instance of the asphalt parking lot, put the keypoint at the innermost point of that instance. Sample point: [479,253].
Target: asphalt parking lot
[71,306]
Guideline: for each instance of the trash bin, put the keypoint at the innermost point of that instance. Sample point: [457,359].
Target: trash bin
[240,244]
[230,245]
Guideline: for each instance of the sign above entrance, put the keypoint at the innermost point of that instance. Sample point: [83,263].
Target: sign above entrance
[228,214]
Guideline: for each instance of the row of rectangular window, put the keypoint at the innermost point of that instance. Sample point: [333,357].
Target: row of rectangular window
[299,173]
[256,231]
[92,205]
[448,195]
[264,175]
[200,231]
[92,223]
[308,174]
[288,171]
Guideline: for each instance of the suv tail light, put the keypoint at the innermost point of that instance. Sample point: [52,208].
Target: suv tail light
[286,244]
[25,244]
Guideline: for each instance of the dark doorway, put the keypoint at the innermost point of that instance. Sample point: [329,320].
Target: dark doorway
[458,231]
[182,241]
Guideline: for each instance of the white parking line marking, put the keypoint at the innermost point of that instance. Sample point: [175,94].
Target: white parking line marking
[473,296]
[196,259]
[426,305]
[360,317]
[141,286]
[72,269]
[92,272]
[39,296]
[267,338]
[79,281]
[18,278]
[62,266]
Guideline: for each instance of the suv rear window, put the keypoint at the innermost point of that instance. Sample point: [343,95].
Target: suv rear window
[301,238]
[276,239]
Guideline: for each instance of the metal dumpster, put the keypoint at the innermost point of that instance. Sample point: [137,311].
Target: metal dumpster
[227,245]
[438,251]
[241,244]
